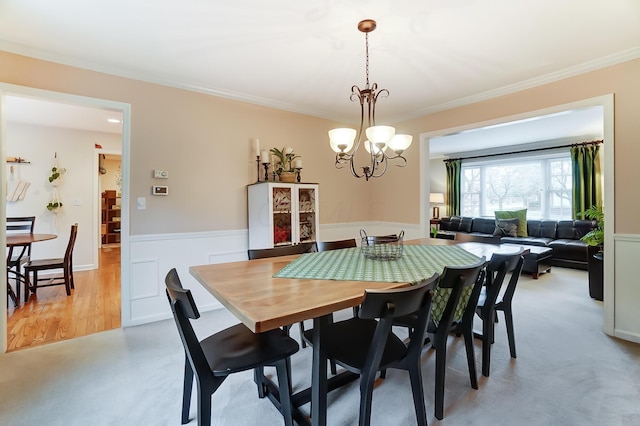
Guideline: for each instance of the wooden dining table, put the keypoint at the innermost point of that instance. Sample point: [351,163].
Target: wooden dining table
[249,290]
[17,240]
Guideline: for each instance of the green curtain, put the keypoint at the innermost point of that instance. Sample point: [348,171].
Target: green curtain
[587,178]
[454,168]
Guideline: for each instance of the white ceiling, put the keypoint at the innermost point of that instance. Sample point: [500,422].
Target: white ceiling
[305,56]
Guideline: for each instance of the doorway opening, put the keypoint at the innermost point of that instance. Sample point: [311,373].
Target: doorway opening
[95,304]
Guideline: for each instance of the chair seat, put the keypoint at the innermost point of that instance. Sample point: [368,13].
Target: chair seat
[45,263]
[238,349]
[356,332]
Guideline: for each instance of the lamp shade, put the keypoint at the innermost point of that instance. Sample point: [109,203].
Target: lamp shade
[436,198]
[341,139]
[400,142]
[368,145]
[380,134]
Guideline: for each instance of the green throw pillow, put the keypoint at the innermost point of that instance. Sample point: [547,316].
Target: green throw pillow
[521,215]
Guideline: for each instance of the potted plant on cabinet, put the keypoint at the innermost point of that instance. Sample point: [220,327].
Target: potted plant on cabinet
[285,165]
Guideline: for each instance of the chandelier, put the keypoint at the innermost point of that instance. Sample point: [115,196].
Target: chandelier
[379,140]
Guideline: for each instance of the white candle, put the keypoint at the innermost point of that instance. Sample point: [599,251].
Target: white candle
[264,157]
[297,163]
[257,147]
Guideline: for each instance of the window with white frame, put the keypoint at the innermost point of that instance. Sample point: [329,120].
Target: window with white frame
[541,184]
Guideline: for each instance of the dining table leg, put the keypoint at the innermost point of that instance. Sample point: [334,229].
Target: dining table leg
[319,385]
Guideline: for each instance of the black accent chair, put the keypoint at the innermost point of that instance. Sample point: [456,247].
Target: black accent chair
[229,351]
[335,245]
[366,344]
[452,309]
[281,251]
[66,264]
[499,266]
[18,255]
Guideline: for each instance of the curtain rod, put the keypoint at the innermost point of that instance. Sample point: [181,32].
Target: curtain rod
[596,142]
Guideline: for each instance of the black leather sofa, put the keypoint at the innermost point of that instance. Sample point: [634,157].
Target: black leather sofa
[562,236]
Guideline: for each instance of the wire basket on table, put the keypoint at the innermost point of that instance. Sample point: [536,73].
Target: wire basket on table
[387,247]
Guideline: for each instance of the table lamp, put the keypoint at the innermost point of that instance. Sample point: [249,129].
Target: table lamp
[436,198]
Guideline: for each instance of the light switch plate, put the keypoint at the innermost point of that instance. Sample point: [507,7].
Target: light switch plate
[161,174]
[142,203]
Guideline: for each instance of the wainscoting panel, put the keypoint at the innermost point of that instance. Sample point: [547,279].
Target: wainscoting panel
[627,287]
[152,256]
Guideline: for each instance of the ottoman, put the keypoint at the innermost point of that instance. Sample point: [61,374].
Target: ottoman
[537,261]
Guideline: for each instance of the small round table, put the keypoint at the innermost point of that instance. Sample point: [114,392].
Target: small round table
[24,239]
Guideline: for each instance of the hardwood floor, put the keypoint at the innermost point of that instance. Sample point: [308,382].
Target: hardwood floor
[51,315]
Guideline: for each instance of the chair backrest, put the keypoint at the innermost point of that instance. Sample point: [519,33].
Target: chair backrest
[20,225]
[453,292]
[335,245]
[514,266]
[281,251]
[68,254]
[464,237]
[385,305]
[184,308]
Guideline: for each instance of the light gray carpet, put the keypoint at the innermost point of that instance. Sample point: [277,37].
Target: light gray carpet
[568,372]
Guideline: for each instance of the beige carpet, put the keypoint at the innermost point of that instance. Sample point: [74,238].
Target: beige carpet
[568,372]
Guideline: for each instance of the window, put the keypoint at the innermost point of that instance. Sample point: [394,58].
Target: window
[541,184]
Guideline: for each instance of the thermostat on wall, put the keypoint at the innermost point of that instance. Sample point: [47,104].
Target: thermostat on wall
[160,190]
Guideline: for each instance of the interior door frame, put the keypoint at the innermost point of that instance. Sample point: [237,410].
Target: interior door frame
[607,103]
[125,109]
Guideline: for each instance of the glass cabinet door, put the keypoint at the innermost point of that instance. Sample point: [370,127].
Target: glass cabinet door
[306,214]
[282,217]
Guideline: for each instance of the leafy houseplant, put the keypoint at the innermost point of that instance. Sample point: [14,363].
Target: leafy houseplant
[285,159]
[56,173]
[595,237]
[54,205]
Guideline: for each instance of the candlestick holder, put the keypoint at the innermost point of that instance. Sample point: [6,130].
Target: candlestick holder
[266,171]
[258,168]
[298,173]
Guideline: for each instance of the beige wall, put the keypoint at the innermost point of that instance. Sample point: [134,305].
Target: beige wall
[622,80]
[205,143]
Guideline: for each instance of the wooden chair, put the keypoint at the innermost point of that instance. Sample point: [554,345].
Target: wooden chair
[229,351]
[465,237]
[335,245]
[457,287]
[497,269]
[366,344]
[65,263]
[18,255]
[281,251]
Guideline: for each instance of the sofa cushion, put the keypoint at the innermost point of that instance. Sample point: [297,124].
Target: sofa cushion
[569,249]
[521,215]
[483,225]
[574,229]
[532,241]
[542,228]
[506,228]
[456,223]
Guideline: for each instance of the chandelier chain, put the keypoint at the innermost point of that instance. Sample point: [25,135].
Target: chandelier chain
[367,58]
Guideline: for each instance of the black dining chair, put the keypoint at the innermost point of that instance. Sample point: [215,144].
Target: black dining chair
[281,251]
[65,264]
[456,290]
[497,269]
[366,344]
[335,245]
[229,351]
[18,255]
